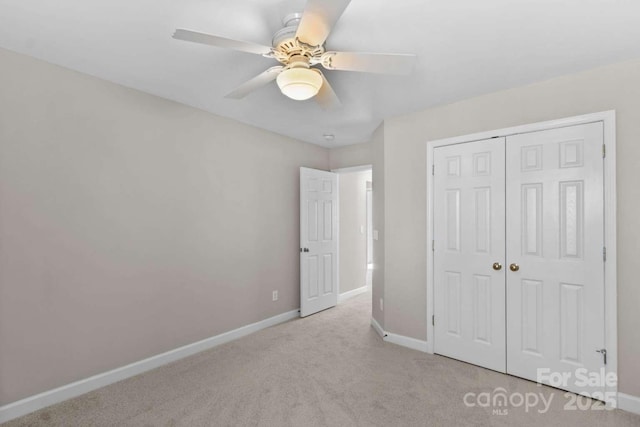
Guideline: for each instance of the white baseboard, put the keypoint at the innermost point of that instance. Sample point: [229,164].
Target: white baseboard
[57,395]
[352,293]
[377,327]
[401,339]
[629,403]
[406,342]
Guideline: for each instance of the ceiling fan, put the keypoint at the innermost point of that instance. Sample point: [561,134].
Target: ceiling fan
[299,46]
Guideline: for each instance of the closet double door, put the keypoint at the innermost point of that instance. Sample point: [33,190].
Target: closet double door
[518,253]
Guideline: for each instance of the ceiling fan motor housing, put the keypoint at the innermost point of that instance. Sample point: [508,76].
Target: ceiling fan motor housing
[286,45]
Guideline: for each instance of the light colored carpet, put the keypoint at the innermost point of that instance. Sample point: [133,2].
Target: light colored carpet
[330,369]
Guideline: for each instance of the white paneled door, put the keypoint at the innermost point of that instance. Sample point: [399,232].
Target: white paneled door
[318,240]
[518,255]
[469,254]
[555,229]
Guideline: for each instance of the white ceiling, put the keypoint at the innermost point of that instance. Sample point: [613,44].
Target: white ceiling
[464,47]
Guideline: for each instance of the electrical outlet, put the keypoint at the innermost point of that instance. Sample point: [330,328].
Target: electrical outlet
[381,305]
[375,234]
[362,229]
[275,296]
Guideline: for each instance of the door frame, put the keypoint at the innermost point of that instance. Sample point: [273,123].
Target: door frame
[608,119]
[359,168]
[369,225]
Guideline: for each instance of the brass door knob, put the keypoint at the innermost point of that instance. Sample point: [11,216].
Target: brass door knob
[497,266]
[514,267]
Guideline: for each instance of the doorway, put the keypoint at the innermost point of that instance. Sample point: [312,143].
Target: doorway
[356,234]
[335,236]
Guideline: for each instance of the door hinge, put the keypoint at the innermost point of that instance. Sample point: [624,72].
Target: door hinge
[433,169]
[603,351]
[604,150]
[604,253]
[433,320]
[433,246]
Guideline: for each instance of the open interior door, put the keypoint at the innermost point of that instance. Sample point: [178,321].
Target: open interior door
[318,240]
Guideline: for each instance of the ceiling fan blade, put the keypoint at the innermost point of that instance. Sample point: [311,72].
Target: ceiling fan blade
[326,97]
[382,63]
[318,19]
[210,39]
[255,83]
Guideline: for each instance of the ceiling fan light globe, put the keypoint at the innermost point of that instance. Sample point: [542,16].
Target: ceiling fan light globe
[299,83]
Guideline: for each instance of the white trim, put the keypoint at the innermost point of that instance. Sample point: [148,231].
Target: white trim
[629,403]
[352,293]
[608,118]
[430,234]
[360,168]
[57,395]
[378,328]
[610,241]
[401,340]
[337,238]
[351,169]
[528,128]
[408,342]
[429,347]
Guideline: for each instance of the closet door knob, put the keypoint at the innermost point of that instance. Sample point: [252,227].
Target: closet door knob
[497,266]
[514,267]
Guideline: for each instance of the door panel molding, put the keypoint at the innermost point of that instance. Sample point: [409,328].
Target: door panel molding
[470,291]
[567,262]
[571,156]
[318,240]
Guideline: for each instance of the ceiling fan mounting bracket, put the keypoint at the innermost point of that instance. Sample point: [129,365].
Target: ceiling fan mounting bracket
[292,19]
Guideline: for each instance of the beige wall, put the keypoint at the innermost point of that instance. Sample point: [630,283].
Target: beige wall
[615,87]
[131,225]
[353,219]
[350,155]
